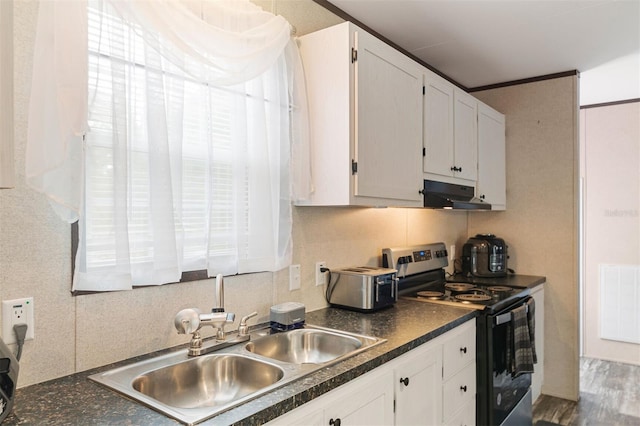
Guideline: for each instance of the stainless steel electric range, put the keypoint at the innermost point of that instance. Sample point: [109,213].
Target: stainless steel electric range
[501,398]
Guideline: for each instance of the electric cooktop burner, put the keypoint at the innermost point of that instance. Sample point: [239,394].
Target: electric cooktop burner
[459,287]
[435,295]
[499,288]
[473,297]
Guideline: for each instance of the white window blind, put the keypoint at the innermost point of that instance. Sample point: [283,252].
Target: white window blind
[180,175]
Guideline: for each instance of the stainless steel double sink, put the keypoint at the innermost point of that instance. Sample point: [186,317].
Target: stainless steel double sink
[193,389]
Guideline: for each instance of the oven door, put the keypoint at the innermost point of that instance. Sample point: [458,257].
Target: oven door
[498,391]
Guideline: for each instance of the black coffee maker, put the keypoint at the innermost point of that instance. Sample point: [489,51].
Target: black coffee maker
[485,255]
[8,380]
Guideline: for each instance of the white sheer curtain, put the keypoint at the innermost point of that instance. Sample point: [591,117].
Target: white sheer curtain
[187,161]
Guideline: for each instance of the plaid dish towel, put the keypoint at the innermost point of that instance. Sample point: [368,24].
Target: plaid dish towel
[522,361]
[531,321]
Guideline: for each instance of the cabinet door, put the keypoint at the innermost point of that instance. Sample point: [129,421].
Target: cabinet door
[369,402]
[491,158]
[438,126]
[419,387]
[388,139]
[465,135]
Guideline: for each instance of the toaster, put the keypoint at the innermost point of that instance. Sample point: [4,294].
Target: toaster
[363,288]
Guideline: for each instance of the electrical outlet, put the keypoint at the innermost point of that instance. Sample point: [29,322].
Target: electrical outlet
[17,311]
[321,276]
[294,277]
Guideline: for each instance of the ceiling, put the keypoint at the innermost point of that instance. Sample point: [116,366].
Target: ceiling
[484,42]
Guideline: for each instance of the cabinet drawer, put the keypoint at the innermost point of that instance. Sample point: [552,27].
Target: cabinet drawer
[458,391]
[465,417]
[459,350]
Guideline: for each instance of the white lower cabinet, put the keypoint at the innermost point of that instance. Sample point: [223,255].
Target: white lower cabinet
[418,381]
[459,375]
[434,384]
[458,392]
[367,400]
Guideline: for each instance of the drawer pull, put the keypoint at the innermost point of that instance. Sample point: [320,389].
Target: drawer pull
[463,350]
[405,381]
[335,422]
[463,388]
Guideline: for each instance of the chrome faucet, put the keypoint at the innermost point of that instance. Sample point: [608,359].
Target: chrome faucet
[191,320]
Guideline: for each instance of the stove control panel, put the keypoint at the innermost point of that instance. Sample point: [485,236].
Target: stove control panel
[414,259]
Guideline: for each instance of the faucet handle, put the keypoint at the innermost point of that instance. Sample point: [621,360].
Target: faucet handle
[187,321]
[243,329]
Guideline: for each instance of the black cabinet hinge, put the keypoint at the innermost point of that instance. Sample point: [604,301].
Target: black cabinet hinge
[424,90]
[424,151]
[354,167]
[354,55]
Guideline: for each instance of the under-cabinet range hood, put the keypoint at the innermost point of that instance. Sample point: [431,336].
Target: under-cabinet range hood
[440,195]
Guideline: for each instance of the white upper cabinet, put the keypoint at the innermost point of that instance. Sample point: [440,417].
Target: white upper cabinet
[465,135]
[491,158]
[365,107]
[438,126]
[450,132]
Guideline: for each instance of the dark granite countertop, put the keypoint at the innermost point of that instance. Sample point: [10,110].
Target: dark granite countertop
[74,400]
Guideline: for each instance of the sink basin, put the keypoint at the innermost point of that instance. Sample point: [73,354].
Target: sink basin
[207,381]
[193,389]
[306,346]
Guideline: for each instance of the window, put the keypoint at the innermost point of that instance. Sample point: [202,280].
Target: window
[180,174]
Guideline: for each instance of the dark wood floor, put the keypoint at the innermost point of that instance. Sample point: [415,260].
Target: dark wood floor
[609,395]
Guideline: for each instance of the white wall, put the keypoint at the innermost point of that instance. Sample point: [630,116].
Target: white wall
[77,333]
[610,137]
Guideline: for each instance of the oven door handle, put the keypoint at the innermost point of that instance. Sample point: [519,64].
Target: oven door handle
[506,317]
